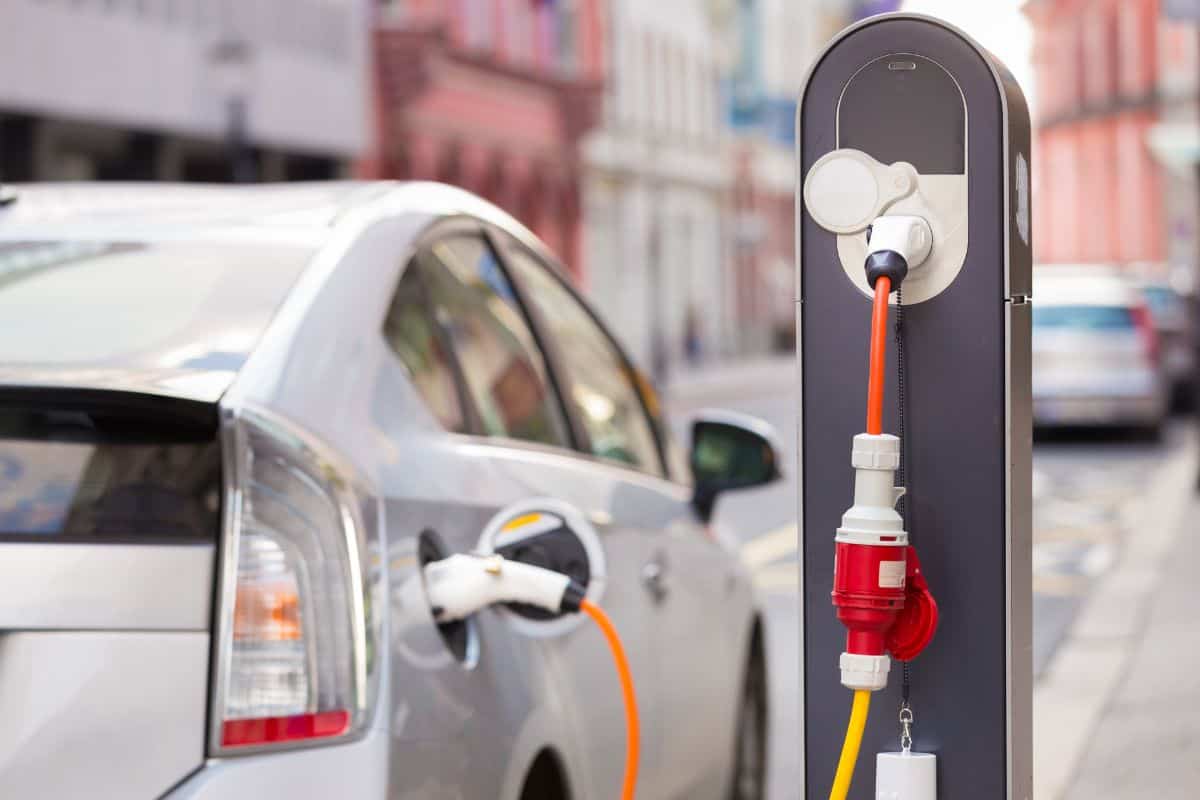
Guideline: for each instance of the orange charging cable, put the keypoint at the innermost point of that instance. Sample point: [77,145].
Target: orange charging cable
[626,677]
[879,315]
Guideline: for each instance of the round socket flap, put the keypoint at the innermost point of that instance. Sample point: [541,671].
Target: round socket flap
[847,189]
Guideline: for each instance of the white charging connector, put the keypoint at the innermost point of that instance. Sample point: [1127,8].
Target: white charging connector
[464,583]
[904,234]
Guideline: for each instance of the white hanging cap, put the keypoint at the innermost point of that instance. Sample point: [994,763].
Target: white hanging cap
[906,776]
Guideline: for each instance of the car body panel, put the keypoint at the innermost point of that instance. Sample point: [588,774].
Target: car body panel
[103,666]
[441,728]
[356,769]
[106,586]
[101,713]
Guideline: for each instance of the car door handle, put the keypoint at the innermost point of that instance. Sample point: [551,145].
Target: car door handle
[654,579]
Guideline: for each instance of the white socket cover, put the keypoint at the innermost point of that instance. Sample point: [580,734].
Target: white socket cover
[905,776]
[847,189]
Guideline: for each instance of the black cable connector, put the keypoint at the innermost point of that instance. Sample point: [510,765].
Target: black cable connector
[886,263]
[573,597]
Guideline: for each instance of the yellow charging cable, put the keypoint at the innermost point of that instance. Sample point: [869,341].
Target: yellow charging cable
[854,735]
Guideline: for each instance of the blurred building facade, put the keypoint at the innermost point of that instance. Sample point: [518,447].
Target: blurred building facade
[1116,110]
[657,179]
[493,96]
[770,45]
[181,89]
[1175,140]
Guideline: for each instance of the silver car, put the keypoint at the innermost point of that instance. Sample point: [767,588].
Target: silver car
[235,423]
[1096,355]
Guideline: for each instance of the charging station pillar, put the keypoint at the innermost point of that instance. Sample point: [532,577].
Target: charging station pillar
[906,88]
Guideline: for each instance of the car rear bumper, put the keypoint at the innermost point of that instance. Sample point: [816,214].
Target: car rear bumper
[1063,411]
[356,769]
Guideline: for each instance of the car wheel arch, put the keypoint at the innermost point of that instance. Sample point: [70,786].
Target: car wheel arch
[546,777]
[753,678]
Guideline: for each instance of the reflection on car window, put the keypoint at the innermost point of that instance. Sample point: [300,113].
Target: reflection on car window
[502,366]
[598,383]
[1083,317]
[71,475]
[412,333]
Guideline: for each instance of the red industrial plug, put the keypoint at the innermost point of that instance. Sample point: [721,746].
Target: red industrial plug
[880,594]
[880,615]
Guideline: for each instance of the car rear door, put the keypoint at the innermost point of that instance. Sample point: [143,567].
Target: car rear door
[687,577]
[462,335]
[109,518]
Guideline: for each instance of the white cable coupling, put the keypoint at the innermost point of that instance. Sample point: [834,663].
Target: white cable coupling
[869,673]
[464,583]
[873,519]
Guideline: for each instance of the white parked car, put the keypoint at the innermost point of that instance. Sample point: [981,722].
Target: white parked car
[1096,355]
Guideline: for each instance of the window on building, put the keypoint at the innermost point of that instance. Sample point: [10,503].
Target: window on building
[657,80]
[1079,66]
[569,44]
[1112,48]
[1129,24]
[503,369]
[477,23]
[519,37]
[598,383]
[412,333]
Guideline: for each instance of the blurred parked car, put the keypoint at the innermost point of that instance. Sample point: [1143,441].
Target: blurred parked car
[233,425]
[1173,324]
[1096,355]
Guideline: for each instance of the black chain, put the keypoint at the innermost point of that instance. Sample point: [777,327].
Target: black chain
[902,471]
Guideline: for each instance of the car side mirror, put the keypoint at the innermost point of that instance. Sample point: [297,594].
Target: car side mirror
[730,451]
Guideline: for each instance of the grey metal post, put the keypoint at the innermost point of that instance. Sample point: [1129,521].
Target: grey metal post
[968,419]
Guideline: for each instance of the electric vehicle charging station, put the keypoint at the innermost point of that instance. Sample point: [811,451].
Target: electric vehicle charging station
[913,152]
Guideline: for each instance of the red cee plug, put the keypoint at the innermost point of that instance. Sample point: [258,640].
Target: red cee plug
[878,589]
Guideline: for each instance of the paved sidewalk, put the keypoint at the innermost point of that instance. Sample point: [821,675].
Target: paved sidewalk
[1117,714]
[1147,741]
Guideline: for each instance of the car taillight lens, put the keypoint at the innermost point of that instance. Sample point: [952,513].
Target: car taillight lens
[1144,321]
[293,653]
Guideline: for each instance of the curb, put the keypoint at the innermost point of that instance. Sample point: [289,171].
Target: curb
[1091,662]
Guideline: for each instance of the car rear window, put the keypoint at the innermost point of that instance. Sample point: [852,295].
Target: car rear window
[1098,318]
[71,475]
[163,306]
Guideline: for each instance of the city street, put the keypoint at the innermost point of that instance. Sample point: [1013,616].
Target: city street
[1086,491]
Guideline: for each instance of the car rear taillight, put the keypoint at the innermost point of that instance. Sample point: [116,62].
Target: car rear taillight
[293,648]
[1144,320]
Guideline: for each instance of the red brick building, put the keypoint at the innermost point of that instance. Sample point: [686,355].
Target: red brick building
[1099,192]
[493,96]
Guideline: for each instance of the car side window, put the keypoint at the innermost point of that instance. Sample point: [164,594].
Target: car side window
[504,371]
[412,333]
[598,383]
